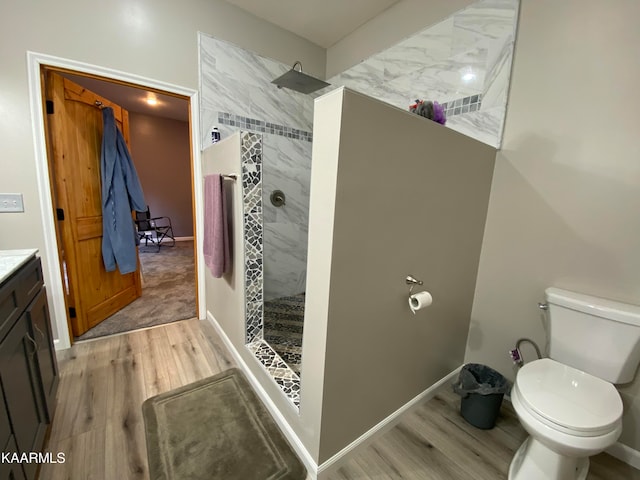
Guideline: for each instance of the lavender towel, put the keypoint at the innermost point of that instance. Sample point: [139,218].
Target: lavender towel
[216,232]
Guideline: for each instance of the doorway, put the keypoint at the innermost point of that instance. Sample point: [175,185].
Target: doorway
[99,302]
[54,271]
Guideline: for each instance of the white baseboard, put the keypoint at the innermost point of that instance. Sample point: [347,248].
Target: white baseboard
[178,239]
[165,240]
[337,460]
[58,345]
[296,443]
[625,454]
[313,470]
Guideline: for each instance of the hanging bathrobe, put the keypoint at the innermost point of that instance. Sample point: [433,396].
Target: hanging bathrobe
[121,193]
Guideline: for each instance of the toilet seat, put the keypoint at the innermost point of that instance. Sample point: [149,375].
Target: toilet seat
[567,399]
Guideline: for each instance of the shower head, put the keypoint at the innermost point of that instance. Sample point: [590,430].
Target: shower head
[298,81]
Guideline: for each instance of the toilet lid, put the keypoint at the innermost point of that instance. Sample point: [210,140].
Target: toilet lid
[569,397]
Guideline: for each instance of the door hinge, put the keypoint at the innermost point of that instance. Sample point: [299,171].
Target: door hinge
[59,214]
[72,312]
[49,105]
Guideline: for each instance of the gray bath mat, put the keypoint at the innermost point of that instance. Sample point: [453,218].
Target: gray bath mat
[216,428]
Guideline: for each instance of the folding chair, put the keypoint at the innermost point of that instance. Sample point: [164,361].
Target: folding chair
[154,229]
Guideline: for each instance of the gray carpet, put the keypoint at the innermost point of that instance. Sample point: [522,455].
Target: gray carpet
[168,292]
[216,428]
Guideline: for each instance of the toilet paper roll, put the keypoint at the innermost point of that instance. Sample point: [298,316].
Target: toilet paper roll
[419,300]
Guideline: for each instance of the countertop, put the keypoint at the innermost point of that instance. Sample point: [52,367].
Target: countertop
[12,260]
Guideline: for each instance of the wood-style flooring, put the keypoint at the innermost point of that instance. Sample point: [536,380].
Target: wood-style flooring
[98,423]
[434,442]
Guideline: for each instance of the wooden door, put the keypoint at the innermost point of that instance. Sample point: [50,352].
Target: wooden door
[74,140]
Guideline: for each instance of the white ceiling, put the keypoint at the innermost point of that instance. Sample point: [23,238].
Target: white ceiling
[323,22]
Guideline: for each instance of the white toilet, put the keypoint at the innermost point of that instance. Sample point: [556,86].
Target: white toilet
[567,403]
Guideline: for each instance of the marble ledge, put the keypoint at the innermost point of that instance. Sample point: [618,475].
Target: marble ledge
[12,260]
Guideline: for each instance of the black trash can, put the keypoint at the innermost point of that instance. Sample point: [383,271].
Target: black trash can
[482,390]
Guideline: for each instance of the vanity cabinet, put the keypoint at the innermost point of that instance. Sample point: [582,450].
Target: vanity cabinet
[28,367]
[8,471]
[39,324]
[11,471]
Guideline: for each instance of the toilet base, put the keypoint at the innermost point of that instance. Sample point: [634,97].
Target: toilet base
[534,461]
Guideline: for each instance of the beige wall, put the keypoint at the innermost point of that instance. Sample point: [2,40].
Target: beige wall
[156,40]
[411,198]
[160,148]
[565,199]
[394,24]
[225,296]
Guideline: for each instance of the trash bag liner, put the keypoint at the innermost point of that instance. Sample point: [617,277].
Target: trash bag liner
[480,379]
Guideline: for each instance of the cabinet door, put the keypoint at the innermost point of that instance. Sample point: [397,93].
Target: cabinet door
[40,329]
[5,426]
[11,471]
[23,395]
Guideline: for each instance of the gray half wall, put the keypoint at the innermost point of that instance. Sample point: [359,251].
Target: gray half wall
[411,198]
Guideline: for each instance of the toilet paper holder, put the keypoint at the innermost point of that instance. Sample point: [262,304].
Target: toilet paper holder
[412,282]
[419,300]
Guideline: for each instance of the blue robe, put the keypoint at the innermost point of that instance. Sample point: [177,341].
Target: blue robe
[121,193]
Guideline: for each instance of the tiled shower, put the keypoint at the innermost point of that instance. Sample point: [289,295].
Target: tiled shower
[463,62]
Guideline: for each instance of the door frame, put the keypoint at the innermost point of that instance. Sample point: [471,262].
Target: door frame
[52,273]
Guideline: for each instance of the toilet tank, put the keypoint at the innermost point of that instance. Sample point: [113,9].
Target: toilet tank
[595,335]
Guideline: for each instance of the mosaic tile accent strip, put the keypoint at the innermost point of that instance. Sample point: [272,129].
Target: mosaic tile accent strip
[251,151]
[462,105]
[263,127]
[286,379]
[251,158]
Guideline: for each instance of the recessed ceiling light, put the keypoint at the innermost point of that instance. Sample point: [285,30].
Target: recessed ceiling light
[467,77]
[152,99]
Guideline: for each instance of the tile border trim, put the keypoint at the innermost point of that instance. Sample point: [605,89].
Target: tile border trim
[260,126]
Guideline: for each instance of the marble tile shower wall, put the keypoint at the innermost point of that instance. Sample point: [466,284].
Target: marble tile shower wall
[288,168]
[237,94]
[468,54]
[238,82]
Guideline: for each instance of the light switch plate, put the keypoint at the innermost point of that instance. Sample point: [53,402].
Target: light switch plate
[11,202]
